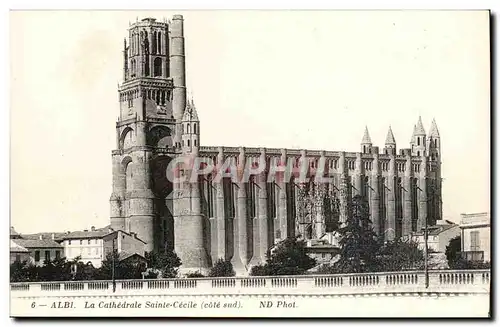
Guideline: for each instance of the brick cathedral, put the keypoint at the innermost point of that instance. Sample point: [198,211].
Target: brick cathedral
[240,221]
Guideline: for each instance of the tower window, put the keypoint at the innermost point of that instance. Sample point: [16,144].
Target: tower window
[364,148]
[418,153]
[194,128]
[189,142]
[418,140]
[157,67]
[194,143]
[154,43]
[132,68]
[435,143]
[188,128]
[158,37]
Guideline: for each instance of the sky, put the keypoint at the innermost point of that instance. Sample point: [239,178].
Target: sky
[285,79]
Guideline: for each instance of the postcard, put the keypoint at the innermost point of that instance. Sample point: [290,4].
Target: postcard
[250,164]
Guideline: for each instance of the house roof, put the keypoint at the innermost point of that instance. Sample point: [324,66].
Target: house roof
[13,232]
[33,244]
[44,235]
[108,235]
[125,255]
[17,248]
[85,234]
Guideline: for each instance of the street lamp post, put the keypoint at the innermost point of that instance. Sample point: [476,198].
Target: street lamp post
[426,260]
[426,245]
[113,266]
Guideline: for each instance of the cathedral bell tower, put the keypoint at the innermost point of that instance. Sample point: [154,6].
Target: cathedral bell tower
[152,100]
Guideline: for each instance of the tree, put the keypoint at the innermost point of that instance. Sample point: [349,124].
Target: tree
[165,261]
[123,269]
[23,272]
[55,270]
[222,268]
[358,242]
[259,270]
[398,256]
[288,257]
[453,251]
[195,275]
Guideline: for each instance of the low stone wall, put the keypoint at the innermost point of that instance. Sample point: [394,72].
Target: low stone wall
[469,281]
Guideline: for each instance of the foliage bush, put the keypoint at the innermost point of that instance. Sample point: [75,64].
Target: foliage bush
[165,261]
[288,257]
[222,268]
[195,275]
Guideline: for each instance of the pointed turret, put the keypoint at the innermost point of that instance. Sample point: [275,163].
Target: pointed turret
[190,128]
[434,132]
[390,142]
[366,142]
[419,130]
[434,142]
[190,113]
[413,139]
[366,137]
[419,139]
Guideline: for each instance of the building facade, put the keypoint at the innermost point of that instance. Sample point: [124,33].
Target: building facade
[93,245]
[438,237]
[239,220]
[476,236]
[39,250]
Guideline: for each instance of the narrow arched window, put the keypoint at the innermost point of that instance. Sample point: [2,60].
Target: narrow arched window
[418,153]
[189,142]
[132,68]
[188,128]
[159,42]
[154,43]
[194,143]
[435,143]
[157,67]
[136,43]
[194,128]
[418,140]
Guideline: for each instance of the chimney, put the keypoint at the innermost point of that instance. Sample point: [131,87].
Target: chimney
[92,228]
[53,236]
[40,237]
[85,230]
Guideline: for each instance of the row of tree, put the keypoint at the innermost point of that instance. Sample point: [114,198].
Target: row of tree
[361,250]
[162,264]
